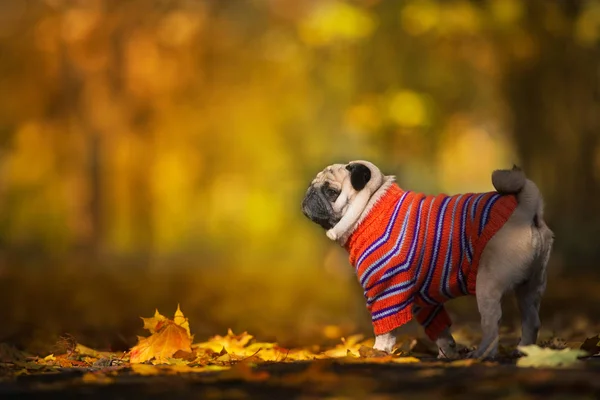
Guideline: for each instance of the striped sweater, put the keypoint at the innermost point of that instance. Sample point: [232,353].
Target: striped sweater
[413,252]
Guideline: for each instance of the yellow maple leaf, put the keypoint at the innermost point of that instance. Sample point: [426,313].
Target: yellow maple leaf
[152,323]
[233,344]
[300,355]
[348,347]
[181,320]
[168,337]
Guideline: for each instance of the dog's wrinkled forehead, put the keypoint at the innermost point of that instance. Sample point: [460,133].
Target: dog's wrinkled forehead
[333,174]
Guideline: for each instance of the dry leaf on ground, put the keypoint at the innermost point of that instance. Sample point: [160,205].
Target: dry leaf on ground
[168,337]
[536,356]
[591,345]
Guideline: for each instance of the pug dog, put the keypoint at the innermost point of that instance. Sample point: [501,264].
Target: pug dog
[412,251]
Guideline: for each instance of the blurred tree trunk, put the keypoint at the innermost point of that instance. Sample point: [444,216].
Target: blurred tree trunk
[556,110]
[72,83]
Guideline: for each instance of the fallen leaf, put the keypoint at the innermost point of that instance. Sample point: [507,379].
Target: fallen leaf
[9,353]
[555,343]
[229,358]
[232,343]
[86,351]
[181,320]
[348,347]
[184,356]
[370,352]
[161,345]
[300,355]
[591,345]
[272,353]
[168,337]
[543,357]
[152,323]
[30,365]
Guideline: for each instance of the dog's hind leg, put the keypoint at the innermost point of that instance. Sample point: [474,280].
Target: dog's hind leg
[529,293]
[489,294]
[529,296]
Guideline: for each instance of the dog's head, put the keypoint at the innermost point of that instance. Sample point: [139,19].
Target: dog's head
[339,194]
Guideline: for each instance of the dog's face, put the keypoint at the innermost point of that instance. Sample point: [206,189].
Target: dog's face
[339,194]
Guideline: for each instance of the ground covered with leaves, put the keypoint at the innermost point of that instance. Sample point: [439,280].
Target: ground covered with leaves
[169,362]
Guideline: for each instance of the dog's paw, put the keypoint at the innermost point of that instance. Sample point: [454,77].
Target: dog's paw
[516,353]
[449,353]
[371,352]
[332,235]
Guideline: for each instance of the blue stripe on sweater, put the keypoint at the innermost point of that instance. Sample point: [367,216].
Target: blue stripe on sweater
[404,265]
[475,205]
[384,238]
[436,245]
[409,262]
[386,312]
[445,283]
[424,245]
[463,245]
[391,291]
[486,211]
[436,311]
[380,263]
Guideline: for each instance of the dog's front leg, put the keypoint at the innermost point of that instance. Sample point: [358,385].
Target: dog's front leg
[385,342]
[446,345]
[436,321]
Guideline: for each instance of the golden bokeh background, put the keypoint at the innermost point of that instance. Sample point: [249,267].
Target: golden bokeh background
[156,152]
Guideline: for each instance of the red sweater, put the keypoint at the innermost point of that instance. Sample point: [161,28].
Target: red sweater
[413,252]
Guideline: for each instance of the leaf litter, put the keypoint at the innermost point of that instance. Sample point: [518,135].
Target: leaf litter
[169,349]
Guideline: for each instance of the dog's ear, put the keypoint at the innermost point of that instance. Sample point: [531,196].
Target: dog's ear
[360,175]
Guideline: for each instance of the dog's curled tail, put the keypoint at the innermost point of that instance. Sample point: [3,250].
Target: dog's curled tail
[514,181]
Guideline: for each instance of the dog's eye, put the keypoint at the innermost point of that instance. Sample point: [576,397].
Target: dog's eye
[331,194]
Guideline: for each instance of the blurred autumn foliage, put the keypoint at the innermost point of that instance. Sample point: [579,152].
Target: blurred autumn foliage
[156,152]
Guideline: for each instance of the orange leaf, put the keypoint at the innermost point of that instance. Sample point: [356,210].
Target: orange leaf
[233,344]
[151,324]
[348,347]
[181,320]
[168,337]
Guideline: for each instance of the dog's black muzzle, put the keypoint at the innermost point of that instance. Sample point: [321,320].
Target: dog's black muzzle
[316,207]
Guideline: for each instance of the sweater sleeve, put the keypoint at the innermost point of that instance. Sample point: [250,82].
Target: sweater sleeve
[390,322]
[433,318]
